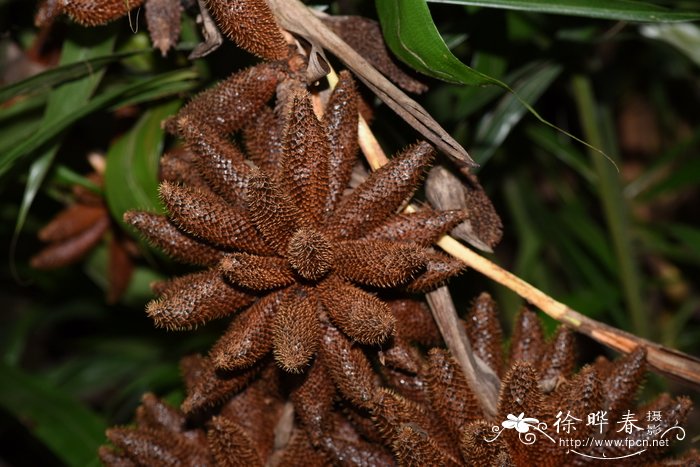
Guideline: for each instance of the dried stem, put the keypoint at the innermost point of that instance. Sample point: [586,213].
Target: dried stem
[296,17]
[212,36]
[482,380]
[663,359]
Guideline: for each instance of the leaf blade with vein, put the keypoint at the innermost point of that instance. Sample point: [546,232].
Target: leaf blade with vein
[619,10]
[131,177]
[67,427]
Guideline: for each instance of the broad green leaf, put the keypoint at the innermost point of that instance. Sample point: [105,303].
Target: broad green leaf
[131,176]
[495,126]
[72,70]
[411,34]
[620,10]
[67,427]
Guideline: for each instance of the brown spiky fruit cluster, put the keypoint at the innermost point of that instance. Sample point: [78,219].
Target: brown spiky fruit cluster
[80,227]
[277,232]
[538,380]
[248,23]
[406,408]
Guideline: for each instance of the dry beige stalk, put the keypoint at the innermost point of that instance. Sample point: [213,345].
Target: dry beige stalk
[297,18]
[672,362]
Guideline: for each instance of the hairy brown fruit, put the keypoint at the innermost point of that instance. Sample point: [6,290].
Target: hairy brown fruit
[484,331]
[228,105]
[163,19]
[78,229]
[295,330]
[162,234]
[251,25]
[450,395]
[349,368]
[290,224]
[365,36]
[359,314]
[86,12]
[249,337]
[528,340]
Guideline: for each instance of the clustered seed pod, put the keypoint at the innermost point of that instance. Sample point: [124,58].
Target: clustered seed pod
[285,238]
[248,23]
[325,361]
[76,230]
[350,407]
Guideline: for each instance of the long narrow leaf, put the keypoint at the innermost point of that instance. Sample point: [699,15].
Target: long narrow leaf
[621,10]
[64,100]
[63,73]
[410,33]
[131,177]
[117,96]
[67,427]
[598,130]
[496,126]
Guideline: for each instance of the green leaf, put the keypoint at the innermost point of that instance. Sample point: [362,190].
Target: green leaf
[131,177]
[411,34]
[497,125]
[69,177]
[599,129]
[140,90]
[620,10]
[22,106]
[688,236]
[551,142]
[72,70]
[67,427]
[62,102]
[684,37]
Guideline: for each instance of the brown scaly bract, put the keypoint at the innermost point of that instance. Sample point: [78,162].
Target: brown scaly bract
[78,229]
[365,36]
[345,413]
[283,235]
[540,382]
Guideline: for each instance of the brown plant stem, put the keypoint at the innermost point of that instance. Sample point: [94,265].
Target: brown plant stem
[666,360]
[663,359]
[296,17]
[482,380]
